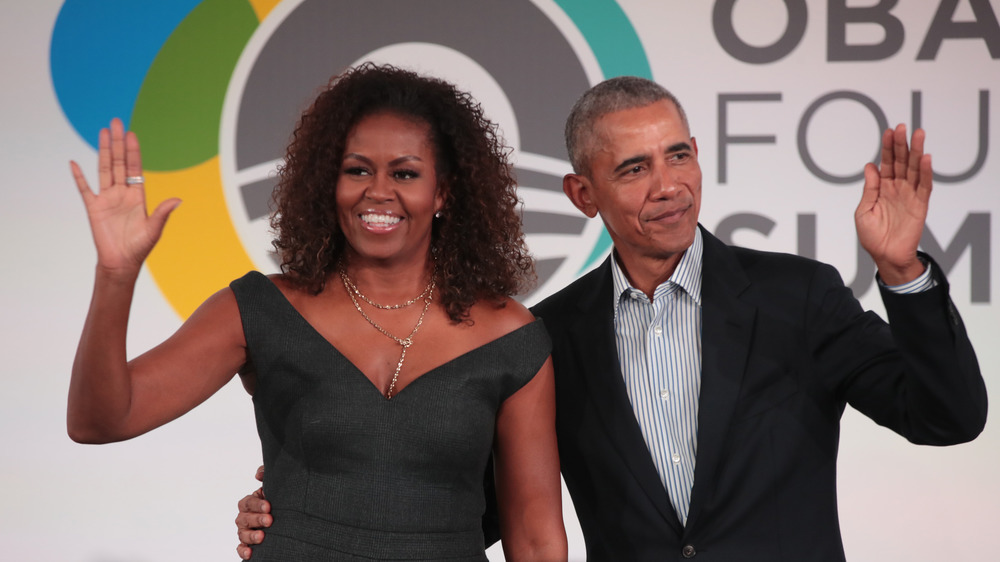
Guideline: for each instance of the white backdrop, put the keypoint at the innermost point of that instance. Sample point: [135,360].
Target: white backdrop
[171,494]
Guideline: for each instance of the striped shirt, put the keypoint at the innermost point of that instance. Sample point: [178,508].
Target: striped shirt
[659,351]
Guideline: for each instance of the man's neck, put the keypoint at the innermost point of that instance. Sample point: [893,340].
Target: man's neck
[645,273]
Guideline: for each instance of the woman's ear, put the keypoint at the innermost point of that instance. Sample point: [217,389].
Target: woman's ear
[440,196]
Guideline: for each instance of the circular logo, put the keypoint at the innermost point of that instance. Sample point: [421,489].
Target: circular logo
[214,93]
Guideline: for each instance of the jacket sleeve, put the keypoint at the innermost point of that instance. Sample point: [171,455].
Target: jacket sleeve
[917,374]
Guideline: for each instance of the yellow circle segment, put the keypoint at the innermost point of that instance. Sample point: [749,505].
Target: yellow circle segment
[200,251]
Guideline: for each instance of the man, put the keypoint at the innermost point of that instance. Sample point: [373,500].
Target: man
[700,386]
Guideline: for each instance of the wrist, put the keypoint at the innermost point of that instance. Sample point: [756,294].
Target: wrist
[894,274]
[119,276]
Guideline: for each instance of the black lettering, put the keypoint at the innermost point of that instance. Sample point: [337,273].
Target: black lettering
[740,221]
[865,272]
[984,136]
[943,26]
[974,234]
[725,33]
[725,139]
[806,235]
[838,18]
[807,158]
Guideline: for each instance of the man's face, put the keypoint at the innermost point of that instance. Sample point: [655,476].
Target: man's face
[644,180]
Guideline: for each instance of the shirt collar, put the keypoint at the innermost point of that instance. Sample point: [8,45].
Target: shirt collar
[687,275]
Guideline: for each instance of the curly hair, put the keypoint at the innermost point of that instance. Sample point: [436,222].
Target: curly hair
[477,243]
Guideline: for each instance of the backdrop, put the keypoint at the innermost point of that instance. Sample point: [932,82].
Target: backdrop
[786,99]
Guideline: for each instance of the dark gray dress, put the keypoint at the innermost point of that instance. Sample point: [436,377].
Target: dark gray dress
[353,476]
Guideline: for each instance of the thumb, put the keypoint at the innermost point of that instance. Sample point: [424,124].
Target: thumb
[162,213]
[870,193]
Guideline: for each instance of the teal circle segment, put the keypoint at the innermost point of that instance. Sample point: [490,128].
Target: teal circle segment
[618,51]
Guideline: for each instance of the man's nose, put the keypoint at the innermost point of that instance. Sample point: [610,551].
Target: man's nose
[665,184]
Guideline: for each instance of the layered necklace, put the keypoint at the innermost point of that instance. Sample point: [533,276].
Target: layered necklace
[427,295]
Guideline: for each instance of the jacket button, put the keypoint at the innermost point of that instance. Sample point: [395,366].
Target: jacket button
[688,551]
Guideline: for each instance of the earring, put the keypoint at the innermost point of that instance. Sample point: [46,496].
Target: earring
[437,215]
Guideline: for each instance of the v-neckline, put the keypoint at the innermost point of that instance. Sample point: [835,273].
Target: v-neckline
[361,373]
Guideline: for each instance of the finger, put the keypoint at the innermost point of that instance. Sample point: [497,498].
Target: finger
[246,522]
[243,551]
[133,156]
[925,186]
[117,152]
[885,160]
[254,504]
[81,183]
[260,473]
[250,537]
[900,161]
[104,159]
[916,155]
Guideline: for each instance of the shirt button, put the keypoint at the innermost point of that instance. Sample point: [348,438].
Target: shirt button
[688,551]
[676,457]
[664,394]
[658,331]
[634,296]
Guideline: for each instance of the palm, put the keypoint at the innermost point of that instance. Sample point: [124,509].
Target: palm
[890,217]
[123,233]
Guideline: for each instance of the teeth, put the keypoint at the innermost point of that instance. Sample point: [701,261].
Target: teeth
[378,219]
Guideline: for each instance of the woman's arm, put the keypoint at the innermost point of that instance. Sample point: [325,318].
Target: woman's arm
[529,493]
[111,399]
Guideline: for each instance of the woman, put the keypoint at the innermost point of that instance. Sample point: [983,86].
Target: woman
[385,362]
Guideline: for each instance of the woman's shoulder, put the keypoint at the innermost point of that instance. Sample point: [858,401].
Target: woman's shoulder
[496,319]
[256,285]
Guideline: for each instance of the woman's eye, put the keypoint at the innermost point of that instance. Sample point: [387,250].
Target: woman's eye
[405,174]
[356,171]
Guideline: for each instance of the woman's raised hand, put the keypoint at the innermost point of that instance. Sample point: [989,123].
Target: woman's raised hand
[123,233]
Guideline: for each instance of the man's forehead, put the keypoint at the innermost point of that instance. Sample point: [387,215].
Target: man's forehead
[657,122]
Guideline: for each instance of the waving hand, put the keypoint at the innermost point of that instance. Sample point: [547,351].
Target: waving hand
[890,218]
[123,233]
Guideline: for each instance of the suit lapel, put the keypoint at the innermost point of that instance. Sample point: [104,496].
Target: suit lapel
[727,327]
[593,331]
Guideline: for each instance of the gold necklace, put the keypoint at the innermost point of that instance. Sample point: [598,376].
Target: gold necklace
[351,289]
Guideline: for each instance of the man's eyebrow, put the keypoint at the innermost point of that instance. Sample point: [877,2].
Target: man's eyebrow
[631,162]
[678,147]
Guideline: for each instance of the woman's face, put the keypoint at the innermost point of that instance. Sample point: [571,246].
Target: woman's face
[388,192]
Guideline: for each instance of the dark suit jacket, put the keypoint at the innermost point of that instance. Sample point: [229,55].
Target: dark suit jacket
[785,346]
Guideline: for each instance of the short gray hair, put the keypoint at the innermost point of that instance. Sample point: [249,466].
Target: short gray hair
[614,94]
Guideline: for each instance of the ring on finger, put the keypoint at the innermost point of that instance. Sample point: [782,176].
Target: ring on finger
[132,180]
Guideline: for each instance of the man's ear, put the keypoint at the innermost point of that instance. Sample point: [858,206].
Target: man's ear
[578,189]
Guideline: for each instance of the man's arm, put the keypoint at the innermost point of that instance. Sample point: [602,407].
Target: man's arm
[939,397]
